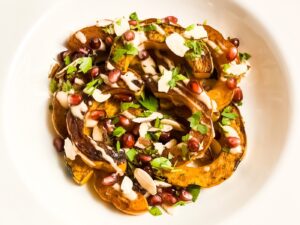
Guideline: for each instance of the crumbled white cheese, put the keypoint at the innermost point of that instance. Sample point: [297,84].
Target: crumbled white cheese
[236,69]
[128,78]
[81,37]
[126,187]
[163,82]
[203,97]
[150,118]
[160,147]
[70,149]
[78,81]
[121,25]
[176,44]
[139,38]
[197,32]
[103,23]
[149,66]
[77,110]
[99,97]
[97,134]
[62,98]
[159,29]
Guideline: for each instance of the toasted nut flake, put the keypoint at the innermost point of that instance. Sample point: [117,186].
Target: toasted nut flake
[145,180]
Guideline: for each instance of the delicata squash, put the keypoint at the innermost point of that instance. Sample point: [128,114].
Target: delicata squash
[147,110]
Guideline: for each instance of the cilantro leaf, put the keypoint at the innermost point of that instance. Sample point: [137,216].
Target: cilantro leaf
[149,27]
[149,103]
[67,60]
[176,76]
[194,190]
[190,27]
[119,131]
[196,47]
[155,211]
[92,85]
[225,67]
[228,115]
[244,56]
[85,64]
[67,86]
[180,203]
[119,21]
[134,16]
[186,137]
[53,86]
[127,105]
[118,146]
[71,69]
[131,153]
[195,124]
[128,49]
[161,163]
[109,29]
[225,121]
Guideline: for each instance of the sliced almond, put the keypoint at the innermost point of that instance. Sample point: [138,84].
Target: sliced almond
[126,187]
[171,143]
[162,184]
[62,98]
[97,134]
[173,123]
[99,97]
[145,180]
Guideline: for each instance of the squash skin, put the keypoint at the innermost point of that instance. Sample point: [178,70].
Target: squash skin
[59,118]
[81,173]
[219,170]
[115,197]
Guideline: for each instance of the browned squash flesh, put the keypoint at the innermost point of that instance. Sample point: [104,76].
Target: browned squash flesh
[59,118]
[216,172]
[221,94]
[109,194]
[81,172]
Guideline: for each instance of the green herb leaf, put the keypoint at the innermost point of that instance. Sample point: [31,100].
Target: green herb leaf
[134,16]
[244,56]
[53,86]
[115,120]
[205,22]
[159,21]
[149,27]
[67,60]
[66,86]
[225,67]
[195,123]
[202,128]
[225,121]
[92,86]
[180,203]
[131,153]
[86,64]
[194,190]
[118,21]
[128,49]
[127,105]
[190,27]
[118,146]
[155,211]
[71,69]
[229,115]
[185,138]
[149,103]
[119,131]
[176,76]
[157,123]
[161,163]
[196,46]
[109,29]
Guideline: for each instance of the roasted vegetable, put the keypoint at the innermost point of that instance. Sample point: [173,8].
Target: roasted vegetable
[80,171]
[58,118]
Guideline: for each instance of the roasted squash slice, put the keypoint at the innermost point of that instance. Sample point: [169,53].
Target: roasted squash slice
[81,172]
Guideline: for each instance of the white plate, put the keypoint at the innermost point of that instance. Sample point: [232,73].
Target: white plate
[28,141]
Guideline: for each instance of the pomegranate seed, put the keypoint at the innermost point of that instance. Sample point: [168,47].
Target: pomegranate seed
[193,145]
[235,41]
[195,86]
[109,126]
[144,158]
[154,200]
[75,99]
[165,137]
[110,180]
[128,140]
[114,75]
[58,144]
[95,71]
[233,142]
[238,95]
[232,53]
[185,196]
[231,83]
[168,198]
[171,19]
[129,35]
[123,97]
[136,130]
[97,114]
[143,54]
[95,43]
[124,122]
[109,40]
[132,22]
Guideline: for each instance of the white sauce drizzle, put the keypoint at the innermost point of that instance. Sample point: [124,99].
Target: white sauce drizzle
[197,32]
[149,66]
[77,110]
[126,187]
[128,78]
[150,118]
[203,97]
[176,44]
[70,149]
[62,98]
[107,158]
[121,26]
[99,97]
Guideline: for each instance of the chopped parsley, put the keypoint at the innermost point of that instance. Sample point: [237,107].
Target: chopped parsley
[119,131]
[115,120]
[67,60]
[194,190]
[71,69]
[186,137]
[155,211]
[109,29]
[131,153]
[161,163]
[118,146]
[134,16]
[85,64]
[196,48]
[127,105]
[92,86]
[149,27]
[225,67]
[150,103]
[176,76]
[128,49]
[244,56]
[157,123]
[53,86]
[228,115]
[66,86]
[195,124]
[180,203]
[190,27]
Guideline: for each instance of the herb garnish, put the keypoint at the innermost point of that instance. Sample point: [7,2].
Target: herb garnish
[85,64]
[119,131]
[155,211]
[179,203]
[128,49]
[228,115]
[118,146]
[176,76]
[149,103]
[109,29]
[161,163]
[195,123]
[66,86]
[92,86]
[131,153]
[196,47]
[244,56]
[194,190]
[190,27]
[185,138]
[134,16]
[53,86]
[127,105]
[67,60]
[149,27]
